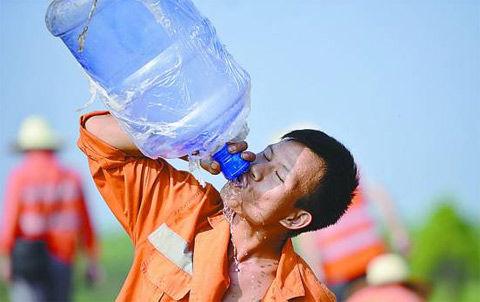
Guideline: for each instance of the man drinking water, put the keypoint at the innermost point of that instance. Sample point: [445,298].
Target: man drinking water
[193,243]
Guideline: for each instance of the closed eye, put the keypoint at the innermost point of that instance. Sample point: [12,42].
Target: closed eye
[266,158]
[278,175]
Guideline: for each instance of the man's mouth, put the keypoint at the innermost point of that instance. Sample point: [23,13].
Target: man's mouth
[241,182]
[244,180]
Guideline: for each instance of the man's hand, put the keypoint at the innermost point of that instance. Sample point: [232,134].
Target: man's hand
[5,269]
[93,274]
[233,147]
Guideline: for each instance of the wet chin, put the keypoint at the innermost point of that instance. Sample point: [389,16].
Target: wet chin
[231,196]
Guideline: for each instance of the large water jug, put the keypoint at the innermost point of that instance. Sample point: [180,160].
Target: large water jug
[161,71]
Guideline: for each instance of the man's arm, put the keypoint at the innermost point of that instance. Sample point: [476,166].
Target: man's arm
[93,271]
[8,224]
[136,188]
[106,128]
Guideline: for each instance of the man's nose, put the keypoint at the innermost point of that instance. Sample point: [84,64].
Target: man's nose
[255,171]
[258,168]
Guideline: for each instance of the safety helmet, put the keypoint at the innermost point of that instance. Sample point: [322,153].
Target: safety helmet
[36,134]
[386,269]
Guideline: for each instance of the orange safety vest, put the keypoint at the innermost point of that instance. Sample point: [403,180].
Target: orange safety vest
[346,247]
[44,201]
[179,233]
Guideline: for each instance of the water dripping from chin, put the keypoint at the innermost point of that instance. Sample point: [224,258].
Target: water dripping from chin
[231,195]
[230,216]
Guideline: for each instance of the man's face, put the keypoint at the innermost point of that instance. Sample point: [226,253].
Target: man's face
[279,176]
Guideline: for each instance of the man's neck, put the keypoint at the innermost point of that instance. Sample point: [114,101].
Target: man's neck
[254,242]
[256,253]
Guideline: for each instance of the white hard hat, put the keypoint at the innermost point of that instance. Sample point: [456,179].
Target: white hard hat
[386,269]
[36,134]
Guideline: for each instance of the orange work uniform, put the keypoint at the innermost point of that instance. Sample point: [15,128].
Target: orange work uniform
[44,201]
[179,233]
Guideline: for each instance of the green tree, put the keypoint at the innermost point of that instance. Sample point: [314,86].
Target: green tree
[446,250]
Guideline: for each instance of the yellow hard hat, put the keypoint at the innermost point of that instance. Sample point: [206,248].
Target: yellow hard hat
[386,269]
[36,134]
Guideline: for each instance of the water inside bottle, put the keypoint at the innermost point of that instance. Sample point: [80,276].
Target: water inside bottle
[163,74]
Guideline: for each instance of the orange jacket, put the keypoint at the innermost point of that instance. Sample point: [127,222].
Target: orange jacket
[347,246]
[179,233]
[44,201]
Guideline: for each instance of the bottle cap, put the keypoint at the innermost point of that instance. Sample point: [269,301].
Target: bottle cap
[232,165]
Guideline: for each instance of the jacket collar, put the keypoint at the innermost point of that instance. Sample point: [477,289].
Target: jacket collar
[288,278]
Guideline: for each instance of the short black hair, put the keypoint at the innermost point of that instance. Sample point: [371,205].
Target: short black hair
[334,193]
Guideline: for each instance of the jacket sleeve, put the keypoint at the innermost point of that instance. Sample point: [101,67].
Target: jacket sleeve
[10,214]
[89,239]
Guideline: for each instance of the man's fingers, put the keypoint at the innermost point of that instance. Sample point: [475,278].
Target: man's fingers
[214,167]
[248,156]
[235,147]
[211,166]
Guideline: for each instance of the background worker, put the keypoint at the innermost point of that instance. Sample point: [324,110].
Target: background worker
[388,280]
[44,219]
[340,253]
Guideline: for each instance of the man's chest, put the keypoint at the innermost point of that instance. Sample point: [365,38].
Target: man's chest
[249,282]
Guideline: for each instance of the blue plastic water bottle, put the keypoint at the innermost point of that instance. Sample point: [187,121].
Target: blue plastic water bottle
[161,71]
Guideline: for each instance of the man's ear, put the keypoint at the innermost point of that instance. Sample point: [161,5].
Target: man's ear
[297,220]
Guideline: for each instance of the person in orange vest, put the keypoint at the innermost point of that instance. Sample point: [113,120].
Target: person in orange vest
[44,219]
[341,252]
[388,280]
[193,243]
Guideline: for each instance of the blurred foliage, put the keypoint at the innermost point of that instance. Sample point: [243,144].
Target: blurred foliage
[446,253]
[116,259]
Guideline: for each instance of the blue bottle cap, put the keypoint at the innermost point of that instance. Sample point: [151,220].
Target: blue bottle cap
[232,165]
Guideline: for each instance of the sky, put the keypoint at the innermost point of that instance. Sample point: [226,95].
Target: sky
[398,82]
